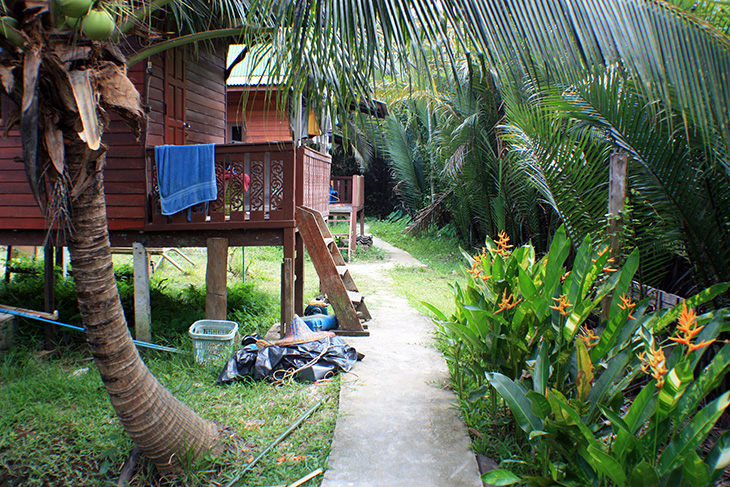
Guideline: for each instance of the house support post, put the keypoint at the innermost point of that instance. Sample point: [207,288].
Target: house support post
[142,304]
[287,278]
[287,295]
[49,284]
[299,275]
[216,298]
[618,162]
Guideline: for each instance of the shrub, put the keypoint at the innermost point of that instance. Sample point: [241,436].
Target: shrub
[530,331]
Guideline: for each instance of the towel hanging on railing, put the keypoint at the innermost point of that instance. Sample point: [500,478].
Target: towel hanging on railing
[185,176]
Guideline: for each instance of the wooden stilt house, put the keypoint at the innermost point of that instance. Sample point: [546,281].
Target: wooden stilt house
[184,94]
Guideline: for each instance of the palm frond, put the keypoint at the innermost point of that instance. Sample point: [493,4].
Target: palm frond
[675,56]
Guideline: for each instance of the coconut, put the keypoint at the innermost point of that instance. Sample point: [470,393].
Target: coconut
[98,25]
[75,8]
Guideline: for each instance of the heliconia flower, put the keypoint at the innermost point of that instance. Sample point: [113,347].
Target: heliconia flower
[626,303]
[505,304]
[588,337]
[688,329]
[654,363]
[562,305]
[503,243]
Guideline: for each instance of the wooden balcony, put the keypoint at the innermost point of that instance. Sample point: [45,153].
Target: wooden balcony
[280,176]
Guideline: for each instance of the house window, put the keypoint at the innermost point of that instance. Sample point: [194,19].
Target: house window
[237,133]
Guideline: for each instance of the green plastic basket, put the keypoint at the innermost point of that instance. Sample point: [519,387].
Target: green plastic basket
[212,337]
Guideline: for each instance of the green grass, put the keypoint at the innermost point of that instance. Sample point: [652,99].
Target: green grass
[430,284]
[57,426]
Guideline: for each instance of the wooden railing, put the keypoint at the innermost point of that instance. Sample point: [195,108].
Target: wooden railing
[316,181]
[350,190]
[279,177]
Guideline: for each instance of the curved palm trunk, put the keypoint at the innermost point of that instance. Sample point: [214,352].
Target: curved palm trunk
[162,426]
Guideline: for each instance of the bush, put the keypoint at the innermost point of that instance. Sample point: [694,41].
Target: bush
[529,330]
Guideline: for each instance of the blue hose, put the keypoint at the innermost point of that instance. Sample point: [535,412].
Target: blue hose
[139,343]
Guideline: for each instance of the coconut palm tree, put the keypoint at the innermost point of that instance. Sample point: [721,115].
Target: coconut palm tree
[63,83]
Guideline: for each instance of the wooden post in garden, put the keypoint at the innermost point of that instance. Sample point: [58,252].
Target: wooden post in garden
[616,204]
[216,298]
[287,295]
[142,304]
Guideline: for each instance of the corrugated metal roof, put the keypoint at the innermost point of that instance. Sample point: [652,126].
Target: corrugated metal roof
[253,69]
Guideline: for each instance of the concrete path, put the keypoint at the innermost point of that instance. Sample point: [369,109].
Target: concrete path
[398,426]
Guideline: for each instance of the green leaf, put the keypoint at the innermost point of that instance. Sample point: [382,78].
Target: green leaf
[541,374]
[606,465]
[602,388]
[527,287]
[642,408]
[500,477]
[584,379]
[540,404]
[478,393]
[440,316]
[719,457]
[559,250]
[675,383]
[643,475]
[706,381]
[515,396]
[692,434]
[619,425]
[694,471]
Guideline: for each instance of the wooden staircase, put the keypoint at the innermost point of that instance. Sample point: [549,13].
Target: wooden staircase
[334,277]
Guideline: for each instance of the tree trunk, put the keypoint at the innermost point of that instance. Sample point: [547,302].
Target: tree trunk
[163,427]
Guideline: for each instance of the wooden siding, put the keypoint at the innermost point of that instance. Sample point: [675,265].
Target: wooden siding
[18,208]
[125,173]
[262,120]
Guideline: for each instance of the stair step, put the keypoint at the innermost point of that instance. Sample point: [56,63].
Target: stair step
[329,241]
[355,296]
[341,270]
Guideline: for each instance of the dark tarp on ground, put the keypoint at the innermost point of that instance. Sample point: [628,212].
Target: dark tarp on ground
[260,363]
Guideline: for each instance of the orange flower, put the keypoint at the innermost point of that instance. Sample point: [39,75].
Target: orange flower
[475,269]
[505,304]
[503,243]
[626,303]
[654,364]
[688,329]
[588,337]
[562,305]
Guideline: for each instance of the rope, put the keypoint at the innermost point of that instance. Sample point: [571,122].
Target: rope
[289,373]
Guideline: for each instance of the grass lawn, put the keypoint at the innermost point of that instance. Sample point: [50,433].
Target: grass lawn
[58,428]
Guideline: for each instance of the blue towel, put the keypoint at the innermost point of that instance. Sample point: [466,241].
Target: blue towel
[185,176]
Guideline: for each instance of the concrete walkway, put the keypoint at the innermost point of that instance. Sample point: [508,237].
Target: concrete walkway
[398,426]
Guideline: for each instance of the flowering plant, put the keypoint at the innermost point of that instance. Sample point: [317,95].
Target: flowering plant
[533,330]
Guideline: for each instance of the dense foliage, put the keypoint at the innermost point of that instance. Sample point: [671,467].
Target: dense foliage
[620,399]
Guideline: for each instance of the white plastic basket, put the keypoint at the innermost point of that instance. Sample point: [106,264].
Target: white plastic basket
[211,337]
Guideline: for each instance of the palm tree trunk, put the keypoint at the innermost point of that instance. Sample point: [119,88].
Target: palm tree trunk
[162,426]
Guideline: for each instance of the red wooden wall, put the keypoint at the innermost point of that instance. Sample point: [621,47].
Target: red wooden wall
[125,175]
[261,118]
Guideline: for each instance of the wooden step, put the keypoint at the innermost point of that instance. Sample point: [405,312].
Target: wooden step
[355,296]
[335,280]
